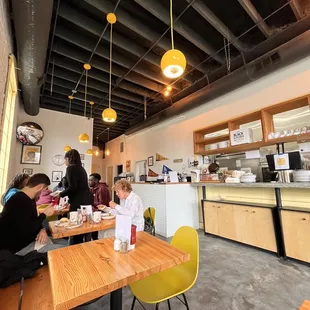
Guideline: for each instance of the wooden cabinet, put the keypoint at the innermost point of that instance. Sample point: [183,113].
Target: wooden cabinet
[211,218]
[246,224]
[226,226]
[296,231]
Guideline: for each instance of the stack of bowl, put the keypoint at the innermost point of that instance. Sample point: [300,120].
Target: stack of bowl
[301,176]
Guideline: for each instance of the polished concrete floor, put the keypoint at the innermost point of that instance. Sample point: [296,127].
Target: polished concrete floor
[236,277]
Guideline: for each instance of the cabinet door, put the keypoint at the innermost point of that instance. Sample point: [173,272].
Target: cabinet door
[244,224]
[211,218]
[296,230]
[264,229]
[226,221]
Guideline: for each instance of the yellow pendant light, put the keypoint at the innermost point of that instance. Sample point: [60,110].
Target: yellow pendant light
[97,150]
[109,115]
[89,152]
[173,63]
[83,137]
[67,148]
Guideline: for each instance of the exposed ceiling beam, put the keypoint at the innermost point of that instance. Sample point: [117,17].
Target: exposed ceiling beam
[75,66]
[297,9]
[95,85]
[157,9]
[208,15]
[256,17]
[96,28]
[88,44]
[63,90]
[143,30]
[103,65]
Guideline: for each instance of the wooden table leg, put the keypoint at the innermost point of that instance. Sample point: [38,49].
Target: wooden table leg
[116,302]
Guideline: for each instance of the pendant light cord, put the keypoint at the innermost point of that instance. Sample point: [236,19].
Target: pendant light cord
[171,25]
[110,77]
[85,93]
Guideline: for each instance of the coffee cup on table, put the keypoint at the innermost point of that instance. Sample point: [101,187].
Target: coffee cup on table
[97,216]
[74,216]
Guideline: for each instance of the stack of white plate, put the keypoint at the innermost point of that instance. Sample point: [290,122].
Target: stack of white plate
[301,175]
[248,178]
[232,180]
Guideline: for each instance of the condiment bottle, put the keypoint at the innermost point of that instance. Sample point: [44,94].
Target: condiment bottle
[133,237]
[84,215]
[117,244]
[123,246]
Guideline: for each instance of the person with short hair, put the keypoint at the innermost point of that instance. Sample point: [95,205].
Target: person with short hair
[101,194]
[130,204]
[77,186]
[20,224]
[19,182]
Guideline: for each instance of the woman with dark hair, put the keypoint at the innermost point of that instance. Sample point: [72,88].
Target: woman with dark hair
[77,185]
[17,184]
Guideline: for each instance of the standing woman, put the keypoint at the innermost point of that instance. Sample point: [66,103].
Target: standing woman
[76,186]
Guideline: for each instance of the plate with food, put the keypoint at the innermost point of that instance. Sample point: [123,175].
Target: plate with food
[73,225]
[107,216]
[62,223]
[101,207]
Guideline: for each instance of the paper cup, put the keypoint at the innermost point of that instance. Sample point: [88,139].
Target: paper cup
[74,216]
[97,216]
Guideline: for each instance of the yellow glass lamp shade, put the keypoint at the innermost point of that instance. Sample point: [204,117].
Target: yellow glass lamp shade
[173,63]
[89,152]
[83,138]
[67,148]
[109,115]
[111,18]
[97,153]
[107,152]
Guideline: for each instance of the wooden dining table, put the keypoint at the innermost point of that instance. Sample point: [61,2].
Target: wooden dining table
[305,305]
[62,232]
[84,272]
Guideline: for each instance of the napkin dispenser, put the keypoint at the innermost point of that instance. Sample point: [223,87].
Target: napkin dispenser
[241,136]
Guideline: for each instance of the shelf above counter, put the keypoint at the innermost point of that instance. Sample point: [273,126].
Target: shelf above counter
[255,185]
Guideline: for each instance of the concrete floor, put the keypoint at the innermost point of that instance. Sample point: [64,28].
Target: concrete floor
[236,277]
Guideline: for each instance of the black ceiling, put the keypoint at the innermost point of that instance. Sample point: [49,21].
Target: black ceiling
[79,34]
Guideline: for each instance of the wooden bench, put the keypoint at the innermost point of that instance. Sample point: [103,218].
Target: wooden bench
[37,293]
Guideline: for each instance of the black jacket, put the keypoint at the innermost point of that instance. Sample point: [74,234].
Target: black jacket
[77,187]
[19,223]
[14,267]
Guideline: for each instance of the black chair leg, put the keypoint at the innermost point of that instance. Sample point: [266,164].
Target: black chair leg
[133,302]
[169,307]
[186,303]
[157,306]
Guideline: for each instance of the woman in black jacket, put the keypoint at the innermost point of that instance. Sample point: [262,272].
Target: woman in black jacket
[76,186]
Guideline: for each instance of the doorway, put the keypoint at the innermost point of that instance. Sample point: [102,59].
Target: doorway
[141,171]
[110,179]
[119,169]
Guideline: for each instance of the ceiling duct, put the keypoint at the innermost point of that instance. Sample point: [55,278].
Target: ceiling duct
[32,20]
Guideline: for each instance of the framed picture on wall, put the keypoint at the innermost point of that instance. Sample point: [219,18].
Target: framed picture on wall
[82,156]
[150,161]
[28,171]
[56,176]
[31,154]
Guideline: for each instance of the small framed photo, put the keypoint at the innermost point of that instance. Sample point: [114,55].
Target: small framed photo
[150,161]
[56,176]
[82,156]
[28,171]
[31,154]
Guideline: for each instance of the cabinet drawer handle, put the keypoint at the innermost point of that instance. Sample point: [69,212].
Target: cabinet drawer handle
[246,210]
[219,207]
[253,212]
[304,219]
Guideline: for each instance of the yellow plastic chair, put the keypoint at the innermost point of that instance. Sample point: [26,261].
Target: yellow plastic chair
[175,281]
[150,213]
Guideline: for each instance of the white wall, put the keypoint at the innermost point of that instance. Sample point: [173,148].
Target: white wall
[174,138]
[60,129]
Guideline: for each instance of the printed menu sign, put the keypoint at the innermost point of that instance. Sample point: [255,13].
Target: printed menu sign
[281,162]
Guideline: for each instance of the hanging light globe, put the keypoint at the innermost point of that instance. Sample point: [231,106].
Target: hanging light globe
[89,152]
[83,138]
[109,115]
[107,152]
[173,63]
[111,18]
[96,153]
[67,148]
